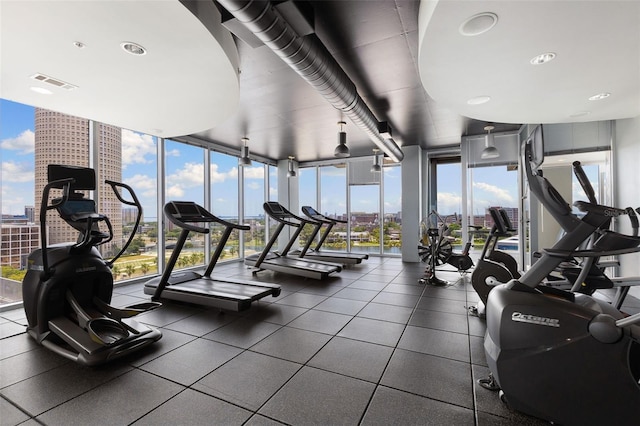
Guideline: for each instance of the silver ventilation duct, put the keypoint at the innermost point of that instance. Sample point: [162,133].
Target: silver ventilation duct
[311,60]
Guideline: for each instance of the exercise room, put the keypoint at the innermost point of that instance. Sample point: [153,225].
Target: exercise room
[408,212]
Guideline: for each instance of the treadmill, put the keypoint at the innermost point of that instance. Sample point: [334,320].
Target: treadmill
[281,262]
[192,287]
[329,256]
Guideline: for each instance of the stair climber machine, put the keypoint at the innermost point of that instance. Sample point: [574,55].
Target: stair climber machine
[565,357]
[328,256]
[436,249]
[496,267]
[204,289]
[283,261]
[68,287]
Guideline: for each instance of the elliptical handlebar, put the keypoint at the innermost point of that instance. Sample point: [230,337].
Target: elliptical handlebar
[114,186]
[65,184]
[584,182]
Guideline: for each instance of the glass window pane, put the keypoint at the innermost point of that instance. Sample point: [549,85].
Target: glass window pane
[333,203]
[184,182]
[254,182]
[224,201]
[307,189]
[392,206]
[364,218]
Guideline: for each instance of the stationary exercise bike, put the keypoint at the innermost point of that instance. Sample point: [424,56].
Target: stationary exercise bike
[565,357]
[68,287]
[436,249]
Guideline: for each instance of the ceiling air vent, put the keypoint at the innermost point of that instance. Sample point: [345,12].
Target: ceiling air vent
[53,81]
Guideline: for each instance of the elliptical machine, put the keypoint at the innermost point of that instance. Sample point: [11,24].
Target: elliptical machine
[68,287]
[565,357]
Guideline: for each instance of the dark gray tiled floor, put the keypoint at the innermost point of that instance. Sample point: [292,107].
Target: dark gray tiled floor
[370,346]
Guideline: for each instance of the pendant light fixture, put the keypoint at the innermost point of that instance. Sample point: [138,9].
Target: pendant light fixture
[342,150]
[291,171]
[376,168]
[244,159]
[490,151]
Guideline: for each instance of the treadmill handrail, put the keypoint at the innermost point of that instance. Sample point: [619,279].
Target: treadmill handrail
[171,211]
[286,214]
[315,215]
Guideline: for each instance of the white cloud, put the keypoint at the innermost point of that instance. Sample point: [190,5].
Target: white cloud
[499,193]
[175,191]
[219,177]
[143,182]
[135,146]
[253,185]
[24,142]
[449,202]
[172,153]
[192,174]
[273,192]
[17,172]
[254,173]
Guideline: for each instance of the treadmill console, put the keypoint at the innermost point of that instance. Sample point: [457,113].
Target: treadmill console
[187,211]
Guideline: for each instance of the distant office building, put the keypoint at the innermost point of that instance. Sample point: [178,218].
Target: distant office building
[64,139]
[30,213]
[18,239]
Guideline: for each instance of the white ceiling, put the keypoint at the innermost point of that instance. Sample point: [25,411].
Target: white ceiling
[188,67]
[597,44]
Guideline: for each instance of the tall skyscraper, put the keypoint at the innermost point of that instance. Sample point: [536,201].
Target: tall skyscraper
[64,139]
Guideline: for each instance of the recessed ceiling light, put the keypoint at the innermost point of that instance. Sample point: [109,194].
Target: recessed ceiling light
[41,90]
[580,114]
[478,100]
[79,44]
[543,58]
[133,48]
[478,24]
[599,96]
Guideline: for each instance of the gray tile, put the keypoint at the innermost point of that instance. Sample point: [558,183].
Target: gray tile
[275,313]
[322,322]
[302,300]
[440,321]
[436,342]
[476,344]
[202,322]
[248,380]
[341,306]
[357,294]
[9,329]
[316,397]
[404,289]
[16,345]
[446,293]
[437,378]
[367,284]
[192,408]
[353,358]
[120,401]
[397,299]
[258,420]
[324,288]
[61,384]
[379,311]
[373,331]
[394,407]
[442,305]
[10,414]
[477,326]
[28,364]
[243,333]
[168,313]
[190,362]
[170,340]
[292,344]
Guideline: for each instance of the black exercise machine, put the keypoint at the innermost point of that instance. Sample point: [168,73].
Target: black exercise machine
[565,357]
[327,256]
[68,287]
[203,289]
[282,261]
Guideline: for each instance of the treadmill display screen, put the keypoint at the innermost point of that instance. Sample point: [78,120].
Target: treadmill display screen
[186,210]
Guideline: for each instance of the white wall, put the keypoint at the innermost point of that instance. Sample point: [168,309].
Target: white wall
[626,162]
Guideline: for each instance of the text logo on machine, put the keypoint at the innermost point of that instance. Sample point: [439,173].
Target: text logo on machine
[534,319]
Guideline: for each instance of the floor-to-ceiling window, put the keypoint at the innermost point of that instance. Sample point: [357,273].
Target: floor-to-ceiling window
[184,182]
[254,193]
[333,203]
[392,209]
[224,201]
[307,189]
